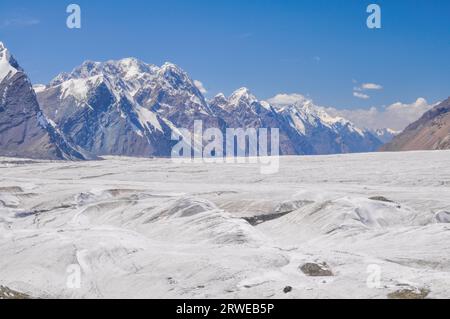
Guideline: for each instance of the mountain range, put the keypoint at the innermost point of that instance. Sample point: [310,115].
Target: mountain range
[131,108]
[128,107]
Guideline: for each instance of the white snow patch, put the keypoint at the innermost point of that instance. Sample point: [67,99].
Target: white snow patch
[79,88]
[148,117]
[6,69]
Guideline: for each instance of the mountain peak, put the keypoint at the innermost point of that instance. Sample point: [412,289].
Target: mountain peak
[220,96]
[169,69]
[169,66]
[242,95]
[8,65]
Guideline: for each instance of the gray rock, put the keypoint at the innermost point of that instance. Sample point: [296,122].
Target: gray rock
[316,270]
[443,217]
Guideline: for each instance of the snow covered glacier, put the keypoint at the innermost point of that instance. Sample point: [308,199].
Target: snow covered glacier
[341,226]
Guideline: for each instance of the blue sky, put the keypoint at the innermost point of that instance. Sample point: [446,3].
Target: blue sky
[322,48]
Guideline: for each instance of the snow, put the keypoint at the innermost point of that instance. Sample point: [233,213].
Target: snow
[297,124]
[6,69]
[148,117]
[38,88]
[153,228]
[128,78]
[79,88]
[241,95]
[132,68]
[306,112]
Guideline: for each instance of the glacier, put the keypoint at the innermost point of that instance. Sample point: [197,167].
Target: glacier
[153,228]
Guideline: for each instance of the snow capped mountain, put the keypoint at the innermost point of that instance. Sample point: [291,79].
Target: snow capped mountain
[304,127]
[25,130]
[324,133]
[385,135]
[125,107]
[96,106]
[241,109]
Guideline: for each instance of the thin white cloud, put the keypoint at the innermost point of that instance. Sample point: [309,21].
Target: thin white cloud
[360,95]
[396,116]
[286,99]
[371,86]
[358,90]
[200,87]
[19,22]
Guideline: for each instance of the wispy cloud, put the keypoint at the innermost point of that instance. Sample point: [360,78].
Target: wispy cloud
[21,22]
[286,99]
[371,86]
[395,116]
[358,90]
[360,95]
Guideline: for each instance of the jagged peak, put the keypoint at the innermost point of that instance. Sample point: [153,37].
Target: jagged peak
[220,97]
[242,95]
[8,65]
[170,65]
[171,68]
[134,63]
[127,67]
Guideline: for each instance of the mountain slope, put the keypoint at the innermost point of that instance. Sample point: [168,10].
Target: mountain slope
[430,132]
[24,129]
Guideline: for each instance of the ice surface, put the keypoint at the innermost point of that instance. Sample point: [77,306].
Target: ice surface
[143,228]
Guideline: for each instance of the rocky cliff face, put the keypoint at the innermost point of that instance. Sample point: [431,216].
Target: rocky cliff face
[430,132]
[24,129]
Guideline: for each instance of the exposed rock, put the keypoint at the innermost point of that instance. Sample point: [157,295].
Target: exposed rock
[6,293]
[381,199]
[409,294]
[287,289]
[316,270]
[443,217]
